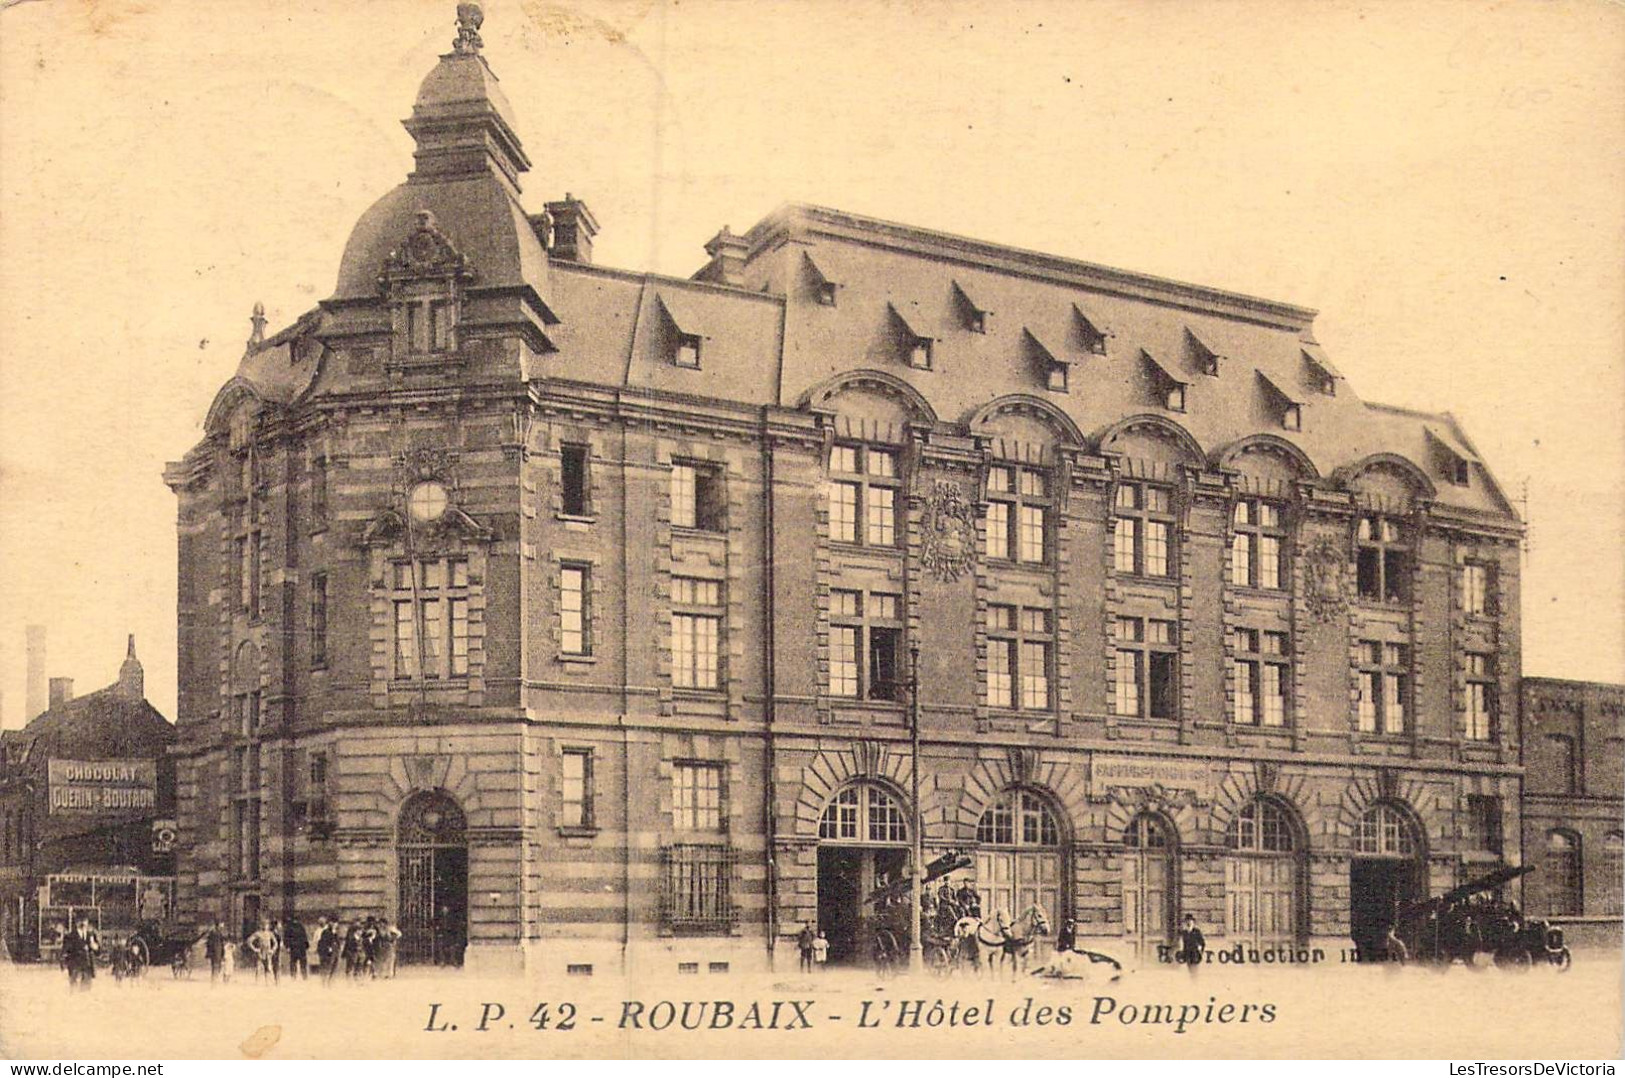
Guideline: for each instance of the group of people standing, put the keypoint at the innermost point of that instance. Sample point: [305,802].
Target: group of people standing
[362,948]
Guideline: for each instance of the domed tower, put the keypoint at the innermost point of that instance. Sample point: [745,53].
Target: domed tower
[351,579]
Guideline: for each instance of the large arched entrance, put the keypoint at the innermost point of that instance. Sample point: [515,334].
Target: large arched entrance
[432,852]
[1385,873]
[1261,876]
[863,846]
[1019,858]
[1148,882]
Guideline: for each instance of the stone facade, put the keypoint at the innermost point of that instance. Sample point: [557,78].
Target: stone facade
[1573,812]
[620,573]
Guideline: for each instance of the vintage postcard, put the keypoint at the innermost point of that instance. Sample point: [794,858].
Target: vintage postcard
[544,529]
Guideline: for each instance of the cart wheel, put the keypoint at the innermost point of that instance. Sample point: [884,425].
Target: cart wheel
[1562,959]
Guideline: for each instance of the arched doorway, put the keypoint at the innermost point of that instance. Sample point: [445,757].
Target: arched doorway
[1148,882]
[1019,859]
[1385,874]
[1261,876]
[432,852]
[863,846]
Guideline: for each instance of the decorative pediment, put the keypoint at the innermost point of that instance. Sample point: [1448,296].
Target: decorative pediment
[383,528]
[424,252]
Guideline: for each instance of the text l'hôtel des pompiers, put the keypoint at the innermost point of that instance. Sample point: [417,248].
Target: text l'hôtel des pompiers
[792,1015]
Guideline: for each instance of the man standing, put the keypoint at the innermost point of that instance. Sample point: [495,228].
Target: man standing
[79,949]
[804,943]
[214,948]
[264,946]
[1192,944]
[297,942]
[327,948]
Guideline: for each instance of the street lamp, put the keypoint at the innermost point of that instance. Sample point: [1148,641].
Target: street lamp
[916,951]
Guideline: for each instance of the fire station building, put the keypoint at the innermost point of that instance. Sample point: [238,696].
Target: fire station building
[564,614]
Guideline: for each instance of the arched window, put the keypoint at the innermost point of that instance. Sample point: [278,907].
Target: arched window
[1613,859]
[1019,819]
[1385,831]
[1261,827]
[863,813]
[1562,871]
[1146,832]
[432,819]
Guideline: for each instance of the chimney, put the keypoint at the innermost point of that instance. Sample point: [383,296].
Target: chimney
[727,265]
[131,678]
[37,701]
[61,690]
[574,226]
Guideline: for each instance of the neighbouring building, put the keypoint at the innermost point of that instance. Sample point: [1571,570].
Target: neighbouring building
[87,805]
[566,612]
[1574,805]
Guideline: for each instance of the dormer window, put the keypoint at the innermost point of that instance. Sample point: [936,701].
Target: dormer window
[1169,389]
[1288,408]
[917,346]
[683,344]
[1094,332]
[824,288]
[1055,367]
[976,316]
[1453,459]
[1322,375]
[429,325]
[423,278]
[1207,360]
[687,352]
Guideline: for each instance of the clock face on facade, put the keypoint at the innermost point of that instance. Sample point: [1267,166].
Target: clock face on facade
[427,502]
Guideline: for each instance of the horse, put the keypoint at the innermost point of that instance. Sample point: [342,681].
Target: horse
[1012,943]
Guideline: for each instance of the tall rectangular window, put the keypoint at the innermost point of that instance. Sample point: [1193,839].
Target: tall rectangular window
[575,622]
[1020,650]
[318,619]
[1565,768]
[574,493]
[862,495]
[1255,544]
[430,599]
[1143,530]
[1484,823]
[1016,523]
[318,493]
[697,797]
[866,632]
[1146,683]
[696,497]
[1475,589]
[1384,676]
[1480,698]
[575,788]
[696,630]
[1383,560]
[1263,673]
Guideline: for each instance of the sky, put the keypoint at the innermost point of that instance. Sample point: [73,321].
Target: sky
[1444,181]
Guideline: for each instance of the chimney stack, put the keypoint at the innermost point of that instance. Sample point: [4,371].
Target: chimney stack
[132,680]
[61,690]
[36,700]
[574,226]
[728,253]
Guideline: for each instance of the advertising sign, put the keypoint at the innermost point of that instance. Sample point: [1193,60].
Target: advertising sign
[88,787]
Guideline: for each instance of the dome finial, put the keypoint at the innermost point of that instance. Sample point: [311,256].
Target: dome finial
[257,336]
[469,19]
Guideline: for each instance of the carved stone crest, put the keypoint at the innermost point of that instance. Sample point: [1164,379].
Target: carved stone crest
[426,462]
[425,252]
[948,542]
[1325,587]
